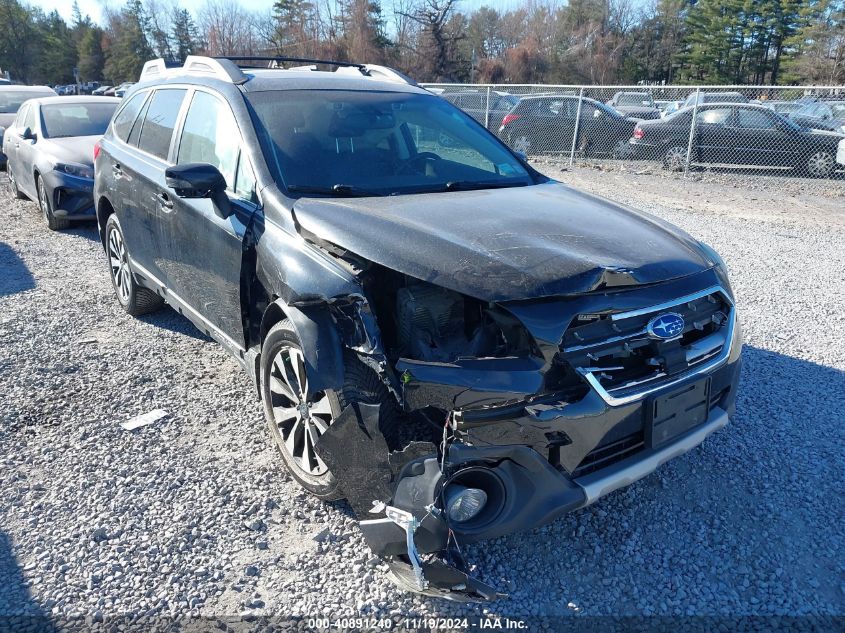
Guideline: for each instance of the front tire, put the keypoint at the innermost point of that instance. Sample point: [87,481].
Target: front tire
[45,203]
[675,158]
[297,419]
[133,298]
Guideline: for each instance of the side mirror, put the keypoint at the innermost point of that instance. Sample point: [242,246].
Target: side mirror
[28,134]
[200,180]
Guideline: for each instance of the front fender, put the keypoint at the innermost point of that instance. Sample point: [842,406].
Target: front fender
[321,345]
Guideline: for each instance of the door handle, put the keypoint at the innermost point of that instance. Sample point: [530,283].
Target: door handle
[164,201]
[116,171]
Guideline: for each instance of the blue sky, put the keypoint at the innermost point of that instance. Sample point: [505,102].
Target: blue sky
[94,8]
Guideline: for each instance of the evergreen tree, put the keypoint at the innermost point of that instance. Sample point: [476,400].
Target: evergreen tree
[91,57]
[129,47]
[185,35]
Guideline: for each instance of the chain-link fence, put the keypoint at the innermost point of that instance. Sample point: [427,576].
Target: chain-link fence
[791,132]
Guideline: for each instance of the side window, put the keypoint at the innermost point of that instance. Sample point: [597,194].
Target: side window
[160,121]
[127,115]
[210,135]
[29,118]
[245,180]
[716,116]
[19,119]
[755,119]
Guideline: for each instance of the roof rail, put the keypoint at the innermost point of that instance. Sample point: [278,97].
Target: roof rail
[275,61]
[220,68]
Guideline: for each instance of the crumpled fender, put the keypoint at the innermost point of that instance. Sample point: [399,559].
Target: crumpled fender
[321,345]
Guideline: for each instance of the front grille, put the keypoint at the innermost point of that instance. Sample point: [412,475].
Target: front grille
[617,350]
[603,456]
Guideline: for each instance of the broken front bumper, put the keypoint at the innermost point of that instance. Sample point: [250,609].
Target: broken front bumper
[536,457]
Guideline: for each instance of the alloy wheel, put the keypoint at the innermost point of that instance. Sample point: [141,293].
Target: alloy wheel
[676,158]
[119,264]
[301,420]
[820,164]
[43,201]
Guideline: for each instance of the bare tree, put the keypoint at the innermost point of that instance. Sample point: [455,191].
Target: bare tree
[436,43]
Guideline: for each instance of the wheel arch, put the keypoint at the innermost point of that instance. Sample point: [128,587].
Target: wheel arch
[317,333]
[103,209]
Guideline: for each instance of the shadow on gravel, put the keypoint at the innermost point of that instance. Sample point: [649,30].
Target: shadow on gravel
[14,275]
[87,230]
[18,611]
[168,319]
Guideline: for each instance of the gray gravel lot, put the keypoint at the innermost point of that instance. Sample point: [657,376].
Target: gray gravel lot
[195,513]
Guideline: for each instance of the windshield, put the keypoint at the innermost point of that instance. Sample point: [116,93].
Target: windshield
[343,142]
[76,119]
[635,99]
[11,100]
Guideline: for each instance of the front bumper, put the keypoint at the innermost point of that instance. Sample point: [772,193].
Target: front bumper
[73,197]
[536,457]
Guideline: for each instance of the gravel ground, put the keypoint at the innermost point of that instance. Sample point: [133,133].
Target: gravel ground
[194,514]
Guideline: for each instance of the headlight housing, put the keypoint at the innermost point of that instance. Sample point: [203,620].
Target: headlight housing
[719,264]
[75,169]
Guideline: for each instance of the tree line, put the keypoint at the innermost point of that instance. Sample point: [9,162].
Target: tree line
[539,41]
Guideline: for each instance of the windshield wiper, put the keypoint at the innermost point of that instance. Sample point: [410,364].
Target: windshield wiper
[469,185]
[338,190]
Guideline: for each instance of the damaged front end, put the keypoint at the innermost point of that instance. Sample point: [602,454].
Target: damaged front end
[517,412]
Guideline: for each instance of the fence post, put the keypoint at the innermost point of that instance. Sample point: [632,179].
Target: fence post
[577,123]
[692,132]
[487,110]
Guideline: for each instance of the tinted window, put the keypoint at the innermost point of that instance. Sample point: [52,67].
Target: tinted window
[160,121]
[473,102]
[210,135]
[126,117]
[11,100]
[634,99]
[755,119]
[716,116]
[76,119]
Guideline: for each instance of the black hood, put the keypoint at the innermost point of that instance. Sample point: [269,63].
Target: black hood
[507,244]
[644,112]
[77,149]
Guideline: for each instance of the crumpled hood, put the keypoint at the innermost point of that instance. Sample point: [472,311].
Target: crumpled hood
[77,149]
[507,244]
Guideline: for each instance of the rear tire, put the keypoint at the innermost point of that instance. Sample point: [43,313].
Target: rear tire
[132,297]
[293,430]
[13,185]
[46,206]
[821,165]
[675,158]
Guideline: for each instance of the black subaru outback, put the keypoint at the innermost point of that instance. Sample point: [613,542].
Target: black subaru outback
[456,344]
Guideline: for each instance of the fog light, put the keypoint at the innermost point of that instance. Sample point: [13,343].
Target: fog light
[462,503]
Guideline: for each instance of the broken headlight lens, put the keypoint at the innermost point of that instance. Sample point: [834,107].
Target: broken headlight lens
[74,169]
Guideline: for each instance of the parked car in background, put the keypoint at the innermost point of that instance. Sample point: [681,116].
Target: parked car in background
[738,135]
[715,97]
[11,98]
[474,103]
[670,108]
[783,107]
[822,115]
[50,146]
[538,125]
[638,105]
[101,91]
[123,88]
[455,343]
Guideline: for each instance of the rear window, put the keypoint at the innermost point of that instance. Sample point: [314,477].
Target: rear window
[76,119]
[11,100]
[160,121]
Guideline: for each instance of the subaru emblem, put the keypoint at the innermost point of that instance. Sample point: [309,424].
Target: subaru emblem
[666,326]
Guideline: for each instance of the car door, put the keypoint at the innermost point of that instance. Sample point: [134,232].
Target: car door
[204,251]
[142,168]
[12,137]
[757,138]
[25,151]
[712,136]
